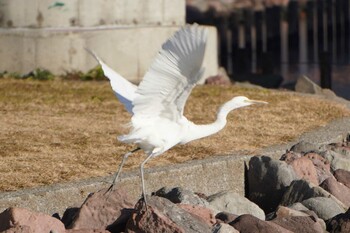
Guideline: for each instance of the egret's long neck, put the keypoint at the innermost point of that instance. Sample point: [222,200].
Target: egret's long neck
[201,131]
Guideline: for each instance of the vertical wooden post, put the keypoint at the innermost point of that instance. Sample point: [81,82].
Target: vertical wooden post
[302,40]
[253,40]
[284,43]
[315,31]
[326,70]
[334,31]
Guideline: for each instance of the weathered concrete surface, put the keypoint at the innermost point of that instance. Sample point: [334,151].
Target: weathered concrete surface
[206,176]
[128,50]
[90,13]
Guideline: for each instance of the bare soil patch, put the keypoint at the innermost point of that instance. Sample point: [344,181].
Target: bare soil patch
[57,131]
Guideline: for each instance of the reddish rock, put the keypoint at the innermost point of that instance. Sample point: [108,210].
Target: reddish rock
[218,80]
[305,169]
[204,213]
[161,215]
[337,189]
[27,221]
[19,229]
[300,224]
[322,165]
[339,223]
[249,224]
[86,231]
[226,217]
[343,177]
[103,210]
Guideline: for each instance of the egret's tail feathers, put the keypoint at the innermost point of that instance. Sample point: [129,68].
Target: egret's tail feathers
[123,89]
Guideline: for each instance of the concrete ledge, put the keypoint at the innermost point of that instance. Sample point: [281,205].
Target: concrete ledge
[207,176]
[90,13]
[128,50]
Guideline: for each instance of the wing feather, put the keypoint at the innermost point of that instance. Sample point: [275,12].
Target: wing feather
[124,90]
[172,75]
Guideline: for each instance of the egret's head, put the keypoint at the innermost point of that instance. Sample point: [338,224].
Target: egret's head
[242,101]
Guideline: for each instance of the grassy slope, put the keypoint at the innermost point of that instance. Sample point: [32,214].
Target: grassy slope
[56,131]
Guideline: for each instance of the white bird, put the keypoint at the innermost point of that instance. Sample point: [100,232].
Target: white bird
[157,104]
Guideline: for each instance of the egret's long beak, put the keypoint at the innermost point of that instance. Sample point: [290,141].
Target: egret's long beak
[256,102]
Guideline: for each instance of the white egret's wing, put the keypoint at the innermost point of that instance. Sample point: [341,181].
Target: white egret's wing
[123,89]
[171,77]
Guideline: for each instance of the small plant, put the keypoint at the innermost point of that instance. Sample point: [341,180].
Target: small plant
[39,74]
[94,74]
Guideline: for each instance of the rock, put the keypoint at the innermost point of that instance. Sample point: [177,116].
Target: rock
[69,215]
[249,224]
[226,217]
[229,201]
[303,147]
[322,165]
[339,223]
[338,190]
[18,219]
[300,190]
[86,231]
[337,160]
[164,216]
[343,177]
[324,207]
[305,169]
[19,229]
[224,228]
[299,207]
[220,79]
[285,214]
[300,224]
[268,179]
[305,85]
[290,156]
[204,213]
[180,195]
[103,210]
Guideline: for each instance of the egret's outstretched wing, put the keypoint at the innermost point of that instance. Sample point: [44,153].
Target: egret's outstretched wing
[171,77]
[123,89]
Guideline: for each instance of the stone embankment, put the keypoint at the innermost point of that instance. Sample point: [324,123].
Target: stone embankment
[306,190]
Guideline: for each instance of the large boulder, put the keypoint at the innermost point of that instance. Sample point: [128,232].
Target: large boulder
[343,177]
[249,224]
[338,190]
[337,160]
[23,220]
[324,207]
[231,202]
[103,210]
[224,228]
[268,179]
[180,195]
[161,215]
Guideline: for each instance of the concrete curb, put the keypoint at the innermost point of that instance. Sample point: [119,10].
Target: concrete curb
[206,176]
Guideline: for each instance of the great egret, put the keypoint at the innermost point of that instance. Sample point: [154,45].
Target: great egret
[157,104]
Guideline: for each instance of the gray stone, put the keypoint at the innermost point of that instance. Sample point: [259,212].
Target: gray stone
[337,160]
[305,85]
[181,195]
[298,206]
[304,147]
[267,181]
[229,201]
[324,207]
[340,191]
[224,228]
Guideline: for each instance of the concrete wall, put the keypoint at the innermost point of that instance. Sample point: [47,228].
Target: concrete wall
[126,34]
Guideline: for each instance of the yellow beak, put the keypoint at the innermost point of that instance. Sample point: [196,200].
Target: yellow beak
[256,102]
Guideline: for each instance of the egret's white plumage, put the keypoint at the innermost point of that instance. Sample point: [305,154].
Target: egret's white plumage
[157,104]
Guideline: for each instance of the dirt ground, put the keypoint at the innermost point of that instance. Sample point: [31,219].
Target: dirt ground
[57,131]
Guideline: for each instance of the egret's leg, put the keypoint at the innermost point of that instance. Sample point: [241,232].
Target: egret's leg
[142,178]
[120,168]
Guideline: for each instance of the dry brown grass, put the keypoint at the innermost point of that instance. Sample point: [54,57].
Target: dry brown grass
[57,131]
